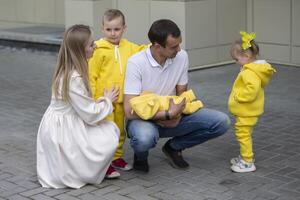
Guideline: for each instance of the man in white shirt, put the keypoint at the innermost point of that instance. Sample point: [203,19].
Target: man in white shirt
[163,69]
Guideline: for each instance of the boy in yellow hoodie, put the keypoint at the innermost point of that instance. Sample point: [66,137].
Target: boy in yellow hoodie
[107,70]
[246,100]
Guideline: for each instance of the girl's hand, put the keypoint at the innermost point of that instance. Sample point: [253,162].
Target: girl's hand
[112,94]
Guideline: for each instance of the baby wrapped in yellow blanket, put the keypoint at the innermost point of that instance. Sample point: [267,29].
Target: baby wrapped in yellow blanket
[148,104]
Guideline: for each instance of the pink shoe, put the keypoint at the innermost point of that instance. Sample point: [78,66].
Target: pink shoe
[120,163]
[112,173]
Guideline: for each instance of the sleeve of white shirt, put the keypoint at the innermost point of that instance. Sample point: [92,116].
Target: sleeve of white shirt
[183,80]
[133,79]
[87,109]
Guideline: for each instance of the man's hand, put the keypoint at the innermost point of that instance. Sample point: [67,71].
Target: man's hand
[172,123]
[175,111]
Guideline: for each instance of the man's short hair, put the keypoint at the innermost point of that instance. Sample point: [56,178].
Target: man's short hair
[112,14]
[161,29]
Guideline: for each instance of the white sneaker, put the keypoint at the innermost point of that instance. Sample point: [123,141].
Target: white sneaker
[243,166]
[235,160]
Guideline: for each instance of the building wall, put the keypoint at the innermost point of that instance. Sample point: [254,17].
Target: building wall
[277,25]
[33,11]
[208,26]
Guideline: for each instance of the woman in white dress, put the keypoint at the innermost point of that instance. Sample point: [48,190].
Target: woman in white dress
[75,144]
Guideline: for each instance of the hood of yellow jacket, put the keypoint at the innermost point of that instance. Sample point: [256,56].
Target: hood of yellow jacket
[103,43]
[262,69]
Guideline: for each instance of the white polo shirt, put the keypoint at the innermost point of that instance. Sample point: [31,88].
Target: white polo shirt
[143,73]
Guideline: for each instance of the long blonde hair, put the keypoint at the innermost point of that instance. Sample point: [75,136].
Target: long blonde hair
[71,57]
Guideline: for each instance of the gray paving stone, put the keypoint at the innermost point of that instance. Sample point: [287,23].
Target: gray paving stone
[105,190]
[18,197]
[114,196]
[66,197]
[141,196]
[41,197]
[55,192]
[32,192]
[25,78]
[89,196]
[86,189]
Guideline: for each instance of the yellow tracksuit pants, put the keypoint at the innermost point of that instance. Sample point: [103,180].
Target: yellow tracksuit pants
[118,117]
[243,132]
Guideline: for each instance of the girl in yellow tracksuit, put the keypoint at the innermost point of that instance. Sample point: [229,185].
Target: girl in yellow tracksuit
[106,70]
[246,100]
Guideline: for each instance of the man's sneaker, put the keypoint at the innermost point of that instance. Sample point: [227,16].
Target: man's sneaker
[112,173]
[175,157]
[140,165]
[243,166]
[120,163]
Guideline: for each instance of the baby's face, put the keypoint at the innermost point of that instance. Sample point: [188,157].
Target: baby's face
[113,30]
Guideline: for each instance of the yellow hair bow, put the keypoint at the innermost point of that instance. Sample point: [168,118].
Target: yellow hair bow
[247,38]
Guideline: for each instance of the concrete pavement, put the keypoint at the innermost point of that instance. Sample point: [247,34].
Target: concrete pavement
[25,77]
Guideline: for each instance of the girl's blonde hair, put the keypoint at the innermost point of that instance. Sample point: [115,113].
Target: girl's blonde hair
[237,48]
[71,57]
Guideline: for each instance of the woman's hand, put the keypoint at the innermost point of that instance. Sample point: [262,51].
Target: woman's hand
[112,94]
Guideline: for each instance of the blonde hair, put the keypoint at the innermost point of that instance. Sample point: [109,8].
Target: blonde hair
[71,57]
[237,48]
[112,14]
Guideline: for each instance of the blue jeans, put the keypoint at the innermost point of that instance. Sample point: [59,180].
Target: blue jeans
[193,129]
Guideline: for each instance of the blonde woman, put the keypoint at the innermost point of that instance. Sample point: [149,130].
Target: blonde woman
[75,145]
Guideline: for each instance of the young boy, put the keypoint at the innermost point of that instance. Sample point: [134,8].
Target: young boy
[107,70]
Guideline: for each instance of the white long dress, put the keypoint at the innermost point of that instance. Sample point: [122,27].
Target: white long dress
[75,145]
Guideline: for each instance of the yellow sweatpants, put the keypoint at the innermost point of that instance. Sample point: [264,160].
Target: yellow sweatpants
[118,117]
[243,132]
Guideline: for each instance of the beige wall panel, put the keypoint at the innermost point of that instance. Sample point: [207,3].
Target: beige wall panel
[76,14]
[275,53]
[26,10]
[170,10]
[231,19]
[99,7]
[45,11]
[224,53]
[204,56]
[249,12]
[86,12]
[60,12]
[8,10]
[296,55]
[201,24]
[137,19]
[296,23]
[272,21]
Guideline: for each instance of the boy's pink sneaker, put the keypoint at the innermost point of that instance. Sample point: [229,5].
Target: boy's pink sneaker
[112,173]
[120,163]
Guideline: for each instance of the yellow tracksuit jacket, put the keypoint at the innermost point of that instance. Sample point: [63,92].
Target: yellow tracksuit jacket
[246,102]
[107,69]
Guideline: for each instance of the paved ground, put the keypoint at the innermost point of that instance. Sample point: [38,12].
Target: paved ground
[25,93]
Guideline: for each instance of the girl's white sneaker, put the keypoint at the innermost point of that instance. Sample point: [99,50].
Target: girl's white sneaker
[235,160]
[242,166]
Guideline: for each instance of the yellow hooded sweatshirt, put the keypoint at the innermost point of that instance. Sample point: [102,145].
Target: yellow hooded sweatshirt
[107,69]
[108,64]
[247,96]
